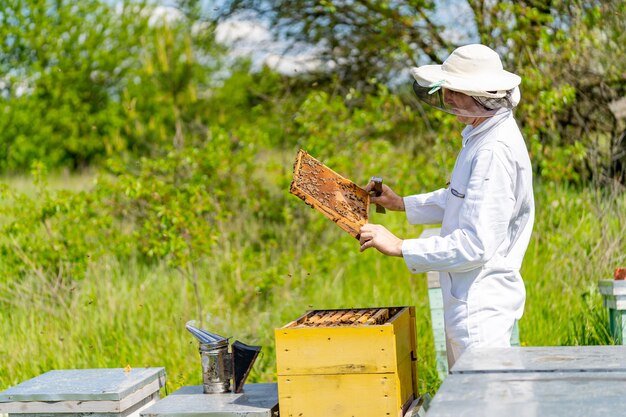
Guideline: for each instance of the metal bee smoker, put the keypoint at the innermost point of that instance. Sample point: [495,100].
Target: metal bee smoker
[219,365]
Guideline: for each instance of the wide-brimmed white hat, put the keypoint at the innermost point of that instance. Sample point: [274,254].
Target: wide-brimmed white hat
[475,70]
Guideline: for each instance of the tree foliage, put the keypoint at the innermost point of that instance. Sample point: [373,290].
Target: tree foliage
[185,144]
[570,54]
[361,39]
[81,81]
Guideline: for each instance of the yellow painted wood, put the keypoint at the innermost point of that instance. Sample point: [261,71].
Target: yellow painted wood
[353,349]
[347,371]
[407,376]
[335,350]
[345,395]
[414,374]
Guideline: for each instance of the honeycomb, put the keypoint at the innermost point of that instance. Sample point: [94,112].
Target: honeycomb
[334,196]
[345,317]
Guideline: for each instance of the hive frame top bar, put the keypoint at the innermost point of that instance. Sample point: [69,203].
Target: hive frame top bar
[347,317]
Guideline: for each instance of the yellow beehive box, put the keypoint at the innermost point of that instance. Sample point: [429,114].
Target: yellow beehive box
[350,362]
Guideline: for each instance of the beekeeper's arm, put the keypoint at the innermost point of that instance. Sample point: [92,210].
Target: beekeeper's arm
[484,218]
[420,209]
[426,208]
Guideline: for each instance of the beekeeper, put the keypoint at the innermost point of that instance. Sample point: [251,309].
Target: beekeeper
[487,210]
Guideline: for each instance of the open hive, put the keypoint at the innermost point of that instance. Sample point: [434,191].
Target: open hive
[348,362]
[336,197]
[332,318]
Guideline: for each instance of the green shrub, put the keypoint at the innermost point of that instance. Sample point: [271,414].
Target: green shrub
[165,209]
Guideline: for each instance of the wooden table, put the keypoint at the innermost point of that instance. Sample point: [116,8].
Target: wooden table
[256,400]
[535,381]
[542,359]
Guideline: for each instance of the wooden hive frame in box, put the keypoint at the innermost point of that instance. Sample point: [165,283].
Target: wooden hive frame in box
[349,362]
[336,197]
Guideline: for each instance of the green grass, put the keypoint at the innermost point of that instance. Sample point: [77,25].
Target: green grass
[134,314]
[56,181]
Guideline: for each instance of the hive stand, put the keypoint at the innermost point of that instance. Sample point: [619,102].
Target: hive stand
[554,381]
[256,400]
[614,299]
[601,359]
[435,299]
[112,392]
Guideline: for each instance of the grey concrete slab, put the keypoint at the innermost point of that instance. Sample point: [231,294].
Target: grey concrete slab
[530,394]
[542,359]
[109,384]
[257,400]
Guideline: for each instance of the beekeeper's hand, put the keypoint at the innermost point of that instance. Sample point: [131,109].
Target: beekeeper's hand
[388,199]
[377,236]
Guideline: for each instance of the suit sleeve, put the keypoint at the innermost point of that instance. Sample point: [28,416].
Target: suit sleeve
[484,218]
[426,208]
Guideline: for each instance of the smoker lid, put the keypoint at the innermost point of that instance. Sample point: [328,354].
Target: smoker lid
[204,337]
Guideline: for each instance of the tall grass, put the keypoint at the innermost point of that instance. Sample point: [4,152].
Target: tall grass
[578,239]
[266,273]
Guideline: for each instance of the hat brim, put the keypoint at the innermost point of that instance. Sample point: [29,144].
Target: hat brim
[455,103]
[493,84]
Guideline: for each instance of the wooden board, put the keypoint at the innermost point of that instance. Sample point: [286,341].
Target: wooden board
[82,385]
[342,395]
[542,359]
[531,394]
[334,196]
[256,400]
[613,294]
[69,408]
[612,287]
[337,350]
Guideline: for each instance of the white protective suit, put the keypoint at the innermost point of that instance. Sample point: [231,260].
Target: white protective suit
[486,216]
